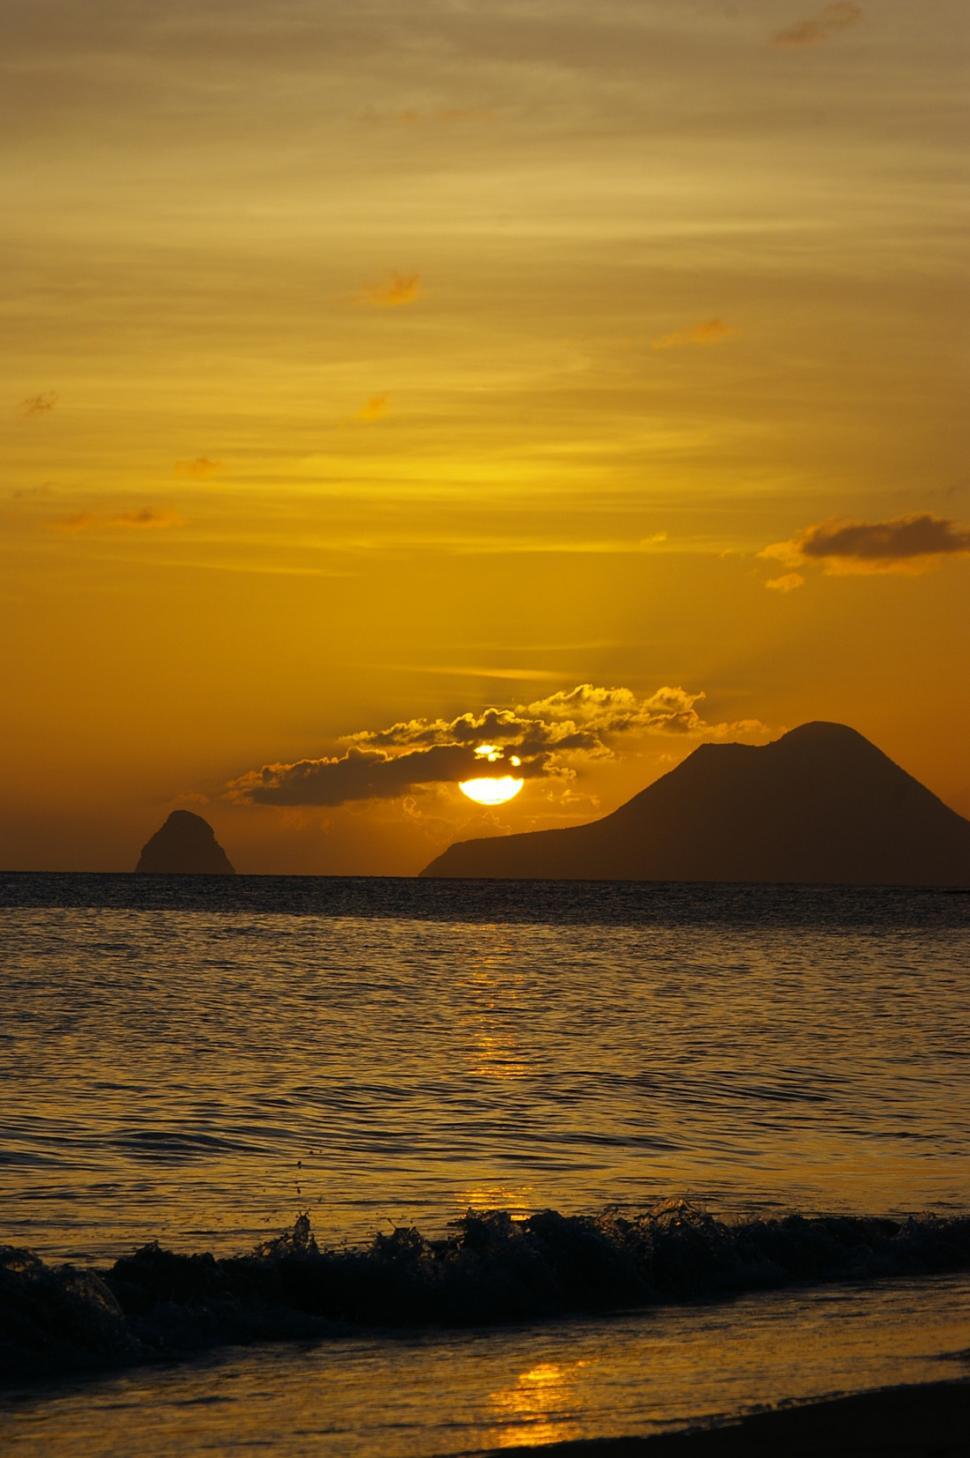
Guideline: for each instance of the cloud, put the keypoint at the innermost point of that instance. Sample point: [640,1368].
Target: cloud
[435,115]
[709,331]
[198,469]
[831,19]
[374,409]
[79,522]
[473,670]
[907,544]
[146,518]
[903,538]
[549,738]
[585,718]
[788,583]
[364,774]
[37,405]
[32,493]
[393,292]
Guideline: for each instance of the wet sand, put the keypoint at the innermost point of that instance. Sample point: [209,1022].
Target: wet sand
[924,1421]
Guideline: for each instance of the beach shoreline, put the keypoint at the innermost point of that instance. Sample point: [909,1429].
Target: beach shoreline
[921,1420]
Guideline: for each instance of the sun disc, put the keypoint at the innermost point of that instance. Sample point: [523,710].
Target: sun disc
[491,791]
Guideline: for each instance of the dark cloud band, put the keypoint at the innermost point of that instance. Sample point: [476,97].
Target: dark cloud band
[906,544]
[908,536]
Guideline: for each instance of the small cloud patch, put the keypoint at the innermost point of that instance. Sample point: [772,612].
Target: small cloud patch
[829,21]
[905,544]
[37,405]
[707,332]
[33,493]
[376,408]
[790,582]
[146,518]
[394,292]
[200,468]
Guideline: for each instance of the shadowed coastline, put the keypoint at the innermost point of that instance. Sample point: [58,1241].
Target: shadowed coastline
[821,805]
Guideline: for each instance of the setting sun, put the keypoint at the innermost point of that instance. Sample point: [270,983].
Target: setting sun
[491,791]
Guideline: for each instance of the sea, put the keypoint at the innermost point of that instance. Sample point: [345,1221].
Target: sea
[393,1168]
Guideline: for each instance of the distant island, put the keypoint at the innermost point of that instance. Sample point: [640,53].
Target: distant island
[821,804]
[185,845]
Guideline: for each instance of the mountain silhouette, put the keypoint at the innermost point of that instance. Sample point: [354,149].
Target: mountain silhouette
[820,805]
[185,845]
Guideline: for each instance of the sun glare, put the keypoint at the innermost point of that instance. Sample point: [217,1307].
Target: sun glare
[491,791]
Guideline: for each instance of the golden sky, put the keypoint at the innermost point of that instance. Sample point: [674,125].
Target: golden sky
[371,365]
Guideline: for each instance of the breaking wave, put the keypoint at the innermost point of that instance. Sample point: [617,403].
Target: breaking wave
[157,1305]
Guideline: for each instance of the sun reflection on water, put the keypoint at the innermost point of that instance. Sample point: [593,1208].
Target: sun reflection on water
[490,1010]
[542,1405]
[518,1200]
[499,1055]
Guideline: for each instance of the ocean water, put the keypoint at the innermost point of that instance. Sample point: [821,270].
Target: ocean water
[198,1062]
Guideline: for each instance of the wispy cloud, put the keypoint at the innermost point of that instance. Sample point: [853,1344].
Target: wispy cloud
[146,518]
[906,544]
[376,408]
[471,670]
[198,469]
[831,19]
[411,116]
[33,493]
[394,292]
[548,738]
[37,405]
[708,331]
[79,521]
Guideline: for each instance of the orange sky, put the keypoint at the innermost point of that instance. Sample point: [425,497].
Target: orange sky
[371,365]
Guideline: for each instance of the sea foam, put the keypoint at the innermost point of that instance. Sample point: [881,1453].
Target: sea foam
[157,1304]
